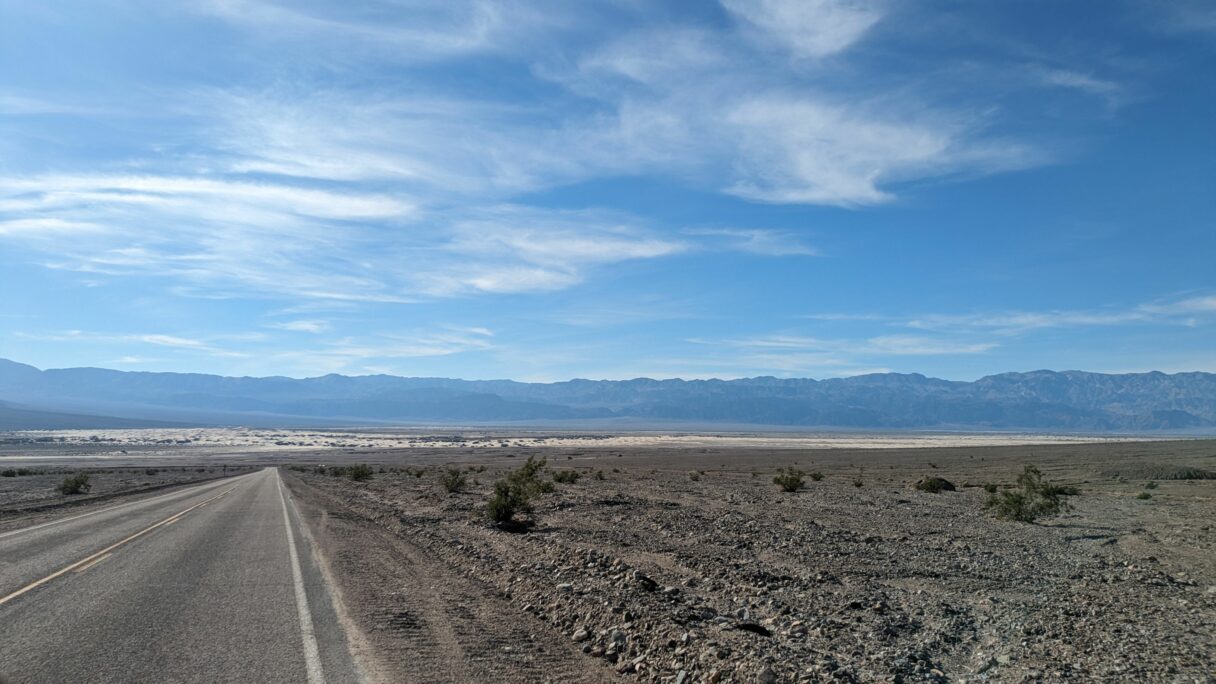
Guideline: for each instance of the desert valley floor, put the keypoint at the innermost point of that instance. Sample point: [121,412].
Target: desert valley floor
[677,559]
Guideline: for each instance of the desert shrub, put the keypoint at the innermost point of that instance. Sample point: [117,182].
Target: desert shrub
[566,476]
[359,473]
[1144,495]
[935,485]
[75,484]
[1161,471]
[1036,499]
[151,471]
[599,475]
[514,493]
[453,480]
[790,480]
[816,476]
[858,481]
[8,472]
[1150,485]
[990,488]
[694,476]
[1061,490]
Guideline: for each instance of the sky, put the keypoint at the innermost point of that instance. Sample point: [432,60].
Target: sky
[608,189]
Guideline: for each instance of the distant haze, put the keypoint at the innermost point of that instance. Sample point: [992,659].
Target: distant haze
[1041,400]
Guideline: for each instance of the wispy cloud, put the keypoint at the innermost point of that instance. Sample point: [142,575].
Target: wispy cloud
[150,339]
[431,30]
[308,326]
[808,28]
[516,249]
[44,227]
[1113,93]
[893,345]
[1017,322]
[756,241]
[1179,311]
[378,353]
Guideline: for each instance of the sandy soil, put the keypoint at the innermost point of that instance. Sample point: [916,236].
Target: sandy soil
[689,565]
[171,443]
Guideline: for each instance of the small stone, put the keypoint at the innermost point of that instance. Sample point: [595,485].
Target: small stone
[581,635]
[565,587]
[766,676]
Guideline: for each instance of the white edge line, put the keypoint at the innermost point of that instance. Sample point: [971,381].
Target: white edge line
[187,490]
[312,657]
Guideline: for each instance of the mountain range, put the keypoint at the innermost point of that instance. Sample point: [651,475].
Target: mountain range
[1040,400]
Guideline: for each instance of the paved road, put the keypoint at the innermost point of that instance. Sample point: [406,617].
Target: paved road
[214,583]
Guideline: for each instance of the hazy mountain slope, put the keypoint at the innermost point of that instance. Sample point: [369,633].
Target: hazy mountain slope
[24,418]
[1070,400]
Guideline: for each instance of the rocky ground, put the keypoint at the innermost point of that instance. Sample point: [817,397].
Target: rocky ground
[692,566]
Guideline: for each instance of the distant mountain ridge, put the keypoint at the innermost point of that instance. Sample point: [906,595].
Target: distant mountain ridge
[1038,400]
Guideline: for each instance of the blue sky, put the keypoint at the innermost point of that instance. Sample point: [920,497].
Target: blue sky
[547,190]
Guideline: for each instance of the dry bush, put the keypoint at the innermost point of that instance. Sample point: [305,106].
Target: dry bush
[75,484]
[1037,498]
[790,480]
[453,480]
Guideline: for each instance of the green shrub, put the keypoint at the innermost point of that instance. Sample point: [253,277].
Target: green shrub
[599,475]
[75,484]
[514,493]
[453,480]
[359,473]
[1144,495]
[1160,471]
[935,485]
[694,476]
[566,476]
[790,480]
[990,488]
[817,476]
[1036,499]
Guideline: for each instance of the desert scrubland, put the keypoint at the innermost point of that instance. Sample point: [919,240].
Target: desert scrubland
[685,565]
[675,558]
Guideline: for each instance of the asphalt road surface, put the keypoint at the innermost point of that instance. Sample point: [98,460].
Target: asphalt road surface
[212,583]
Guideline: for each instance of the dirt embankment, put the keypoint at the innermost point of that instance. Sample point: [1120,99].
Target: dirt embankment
[707,572]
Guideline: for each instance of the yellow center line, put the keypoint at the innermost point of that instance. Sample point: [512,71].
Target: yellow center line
[91,564]
[104,552]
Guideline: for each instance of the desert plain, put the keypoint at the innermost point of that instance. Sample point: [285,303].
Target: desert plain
[675,558]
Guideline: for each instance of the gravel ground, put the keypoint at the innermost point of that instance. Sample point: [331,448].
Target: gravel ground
[35,489]
[691,566]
